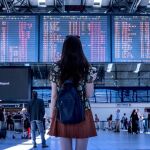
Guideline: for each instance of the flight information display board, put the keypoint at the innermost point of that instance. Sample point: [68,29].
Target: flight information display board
[18,38]
[131,39]
[94,32]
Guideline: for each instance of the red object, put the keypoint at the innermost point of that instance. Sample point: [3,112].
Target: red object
[28,132]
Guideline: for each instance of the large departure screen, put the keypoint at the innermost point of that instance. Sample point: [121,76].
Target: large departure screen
[18,38]
[93,31]
[131,39]
[15,84]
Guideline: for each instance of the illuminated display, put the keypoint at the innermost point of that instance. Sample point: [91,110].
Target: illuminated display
[18,38]
[93,31]
[131,39]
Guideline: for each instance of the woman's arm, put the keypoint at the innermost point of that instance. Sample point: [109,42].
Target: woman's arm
[90,86]
[53,98]
[89,89]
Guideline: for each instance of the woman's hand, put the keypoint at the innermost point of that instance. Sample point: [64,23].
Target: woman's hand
[94,76]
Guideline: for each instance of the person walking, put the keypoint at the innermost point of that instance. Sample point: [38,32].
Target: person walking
[97,122]
[124,121]
[36,112]
[117,125]
[145,120]
[1,118]
[135,120]
[74,66]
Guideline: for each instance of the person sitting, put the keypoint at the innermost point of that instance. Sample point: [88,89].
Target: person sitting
[109,119]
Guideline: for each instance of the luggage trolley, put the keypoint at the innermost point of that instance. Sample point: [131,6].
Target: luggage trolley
[18,127]
[103,125]
[21,124]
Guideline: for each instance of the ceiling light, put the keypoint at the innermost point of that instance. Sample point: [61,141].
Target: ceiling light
[148,5]
[109,67]
[137,68]
[41,3]
[97,3]
[26,64]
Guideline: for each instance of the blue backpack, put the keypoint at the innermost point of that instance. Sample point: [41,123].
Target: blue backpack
[70,108]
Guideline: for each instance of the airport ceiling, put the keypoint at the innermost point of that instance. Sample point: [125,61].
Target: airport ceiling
[121,74]
[91,2]
[100,6]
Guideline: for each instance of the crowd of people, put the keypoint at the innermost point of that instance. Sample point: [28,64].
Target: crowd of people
[15,121]
[27,121]
[137,122]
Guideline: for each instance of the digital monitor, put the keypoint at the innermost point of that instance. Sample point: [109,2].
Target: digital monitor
[18,38]
[131,38]
[15,84]
[94,32]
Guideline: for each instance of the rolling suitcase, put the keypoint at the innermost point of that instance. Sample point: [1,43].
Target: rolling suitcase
[3,131]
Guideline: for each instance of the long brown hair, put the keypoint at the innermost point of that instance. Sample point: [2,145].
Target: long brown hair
[73,63]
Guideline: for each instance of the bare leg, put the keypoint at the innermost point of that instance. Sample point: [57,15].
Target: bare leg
[81,144]
[66,143]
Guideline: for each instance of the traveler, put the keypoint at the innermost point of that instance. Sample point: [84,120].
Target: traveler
[1,118]
[97,122]
[73,66]
[36,112]
[117,125]
[135,121]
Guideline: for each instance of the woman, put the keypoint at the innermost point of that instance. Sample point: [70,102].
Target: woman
[109,119]
[97,121]
[117,124]
[73,65]
[135,119]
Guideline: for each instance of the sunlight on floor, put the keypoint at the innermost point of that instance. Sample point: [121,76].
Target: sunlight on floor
[105,140]
[28,144]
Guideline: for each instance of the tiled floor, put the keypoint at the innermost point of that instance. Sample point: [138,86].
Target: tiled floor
[106,140]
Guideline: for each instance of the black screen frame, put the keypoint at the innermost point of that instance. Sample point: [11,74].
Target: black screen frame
[28,68]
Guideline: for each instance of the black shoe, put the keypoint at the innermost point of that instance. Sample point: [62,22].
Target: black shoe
[44,146]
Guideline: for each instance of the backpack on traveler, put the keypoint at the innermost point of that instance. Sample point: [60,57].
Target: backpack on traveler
[70,108]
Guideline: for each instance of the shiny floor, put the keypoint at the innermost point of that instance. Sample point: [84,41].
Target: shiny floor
[106,140]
